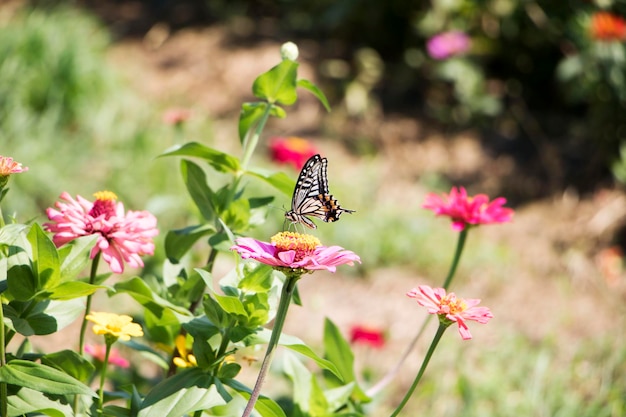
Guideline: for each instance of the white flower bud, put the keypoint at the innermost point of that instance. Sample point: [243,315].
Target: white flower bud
[289,50]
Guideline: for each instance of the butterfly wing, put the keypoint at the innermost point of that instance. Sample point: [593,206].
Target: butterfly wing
[311,196]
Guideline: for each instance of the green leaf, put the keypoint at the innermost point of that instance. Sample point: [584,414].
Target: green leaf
[30,401]
[278,180]
[42,317]
[71,363]
[178,242]
[221,161]
[258,280]
[266,407]
[75,256]
[167,312]
[11,234]
[249,116]
[295,344]
[308,85]
[237,215]
[46,264]
[42,378]
[200,192]
[73,289]
[302,380]
[278,85]
[186,392]
[337,350]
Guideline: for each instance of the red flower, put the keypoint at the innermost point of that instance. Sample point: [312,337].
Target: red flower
[176,117]
[451,308]
[367,336]
[606,26]
[295,251]
[122,236]
[292,150]
[465,210]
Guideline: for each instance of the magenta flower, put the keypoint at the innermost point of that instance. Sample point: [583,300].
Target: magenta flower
[464,210]
[448,44]
[122,237]
[366,335]
[99,351]
[295,251]
[292,150]
[451,308]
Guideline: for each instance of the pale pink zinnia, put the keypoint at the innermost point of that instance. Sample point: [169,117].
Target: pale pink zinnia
[99,351]
[465,210]
[448,44]
[295,251]
[123,237]
[451,308]
[8,166]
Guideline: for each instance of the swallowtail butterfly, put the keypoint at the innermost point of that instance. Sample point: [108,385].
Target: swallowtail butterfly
[311,196]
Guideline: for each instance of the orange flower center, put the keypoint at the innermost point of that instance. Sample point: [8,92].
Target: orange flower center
[452,305]
[303,244]
[104,204]
[297,144]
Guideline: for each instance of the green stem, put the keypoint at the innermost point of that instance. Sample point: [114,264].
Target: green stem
[281,314]
[103,377]
[3,362]
[251,142]
[380,385]
[457,257]
[83,327]
[442,328]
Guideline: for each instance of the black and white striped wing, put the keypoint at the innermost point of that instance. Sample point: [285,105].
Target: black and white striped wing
[311,196]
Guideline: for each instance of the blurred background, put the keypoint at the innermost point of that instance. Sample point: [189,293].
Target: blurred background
[514,98]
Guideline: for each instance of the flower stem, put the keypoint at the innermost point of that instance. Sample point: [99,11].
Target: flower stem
[3,362]
[83,327]
[380,385]
[457,257]
[281,313]
[103,377]
[442,328]
[252,140]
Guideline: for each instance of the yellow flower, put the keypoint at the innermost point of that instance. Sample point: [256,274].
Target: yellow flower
[119,326]
[186,360]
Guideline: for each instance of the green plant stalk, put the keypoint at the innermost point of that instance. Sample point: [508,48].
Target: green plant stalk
[83,327]
[3,362]
[442,328]
[251,142]
[389,376]
[281,314]
[103,374]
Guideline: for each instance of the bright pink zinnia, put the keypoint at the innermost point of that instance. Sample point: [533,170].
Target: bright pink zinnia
[367,336]
[99,351]
[292,150]
[295,251]
[122,237]
[448,44]
[452,308]
[465,210]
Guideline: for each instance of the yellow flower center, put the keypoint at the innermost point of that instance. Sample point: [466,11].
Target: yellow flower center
[302,244]
[455,305]
[105,196]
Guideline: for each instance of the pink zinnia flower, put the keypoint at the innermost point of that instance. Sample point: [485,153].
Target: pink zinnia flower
[451,308]
[464,210]
[367,336]
[292,150]
[295,251]
[122,237]
[176,116]
[99,351]
[8,166]
[448,44]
